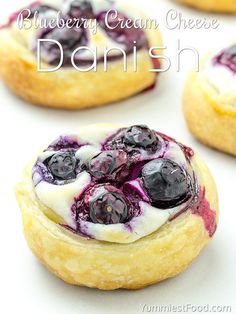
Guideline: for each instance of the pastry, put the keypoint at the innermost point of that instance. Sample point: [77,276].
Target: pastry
[88,80]
[209,100]
[117,207]
[224,6]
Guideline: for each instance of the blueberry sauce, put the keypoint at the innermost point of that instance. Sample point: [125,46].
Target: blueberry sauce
[65,142]
[227,58]
[202,208]
[130,168]
[188,151]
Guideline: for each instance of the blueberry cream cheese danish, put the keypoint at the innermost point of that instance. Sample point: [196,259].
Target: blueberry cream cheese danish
[79,53]
[111,207]
[209,100]
[224,6]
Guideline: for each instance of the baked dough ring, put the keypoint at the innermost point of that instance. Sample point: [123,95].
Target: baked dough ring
[210,117]
[224,6]
[67,88]
[162,254]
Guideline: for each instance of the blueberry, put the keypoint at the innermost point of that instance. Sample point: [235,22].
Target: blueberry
[167,183]
[62,165]
[137,139]
[227,58]
[108,208]
[109,165]
[80,9]
[139,136]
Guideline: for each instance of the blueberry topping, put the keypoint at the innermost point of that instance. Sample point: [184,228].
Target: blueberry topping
[80,9]
[109,165]
[69,38]
[139,136]
[128,36]
[227,58]
[62,165]
[129,169]
[108,208]
[167,184]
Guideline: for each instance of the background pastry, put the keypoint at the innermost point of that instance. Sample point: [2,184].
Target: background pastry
[68,87]
[209,100]
[112,207]
[224,6]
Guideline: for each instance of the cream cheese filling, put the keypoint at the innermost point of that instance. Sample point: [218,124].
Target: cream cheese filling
[223,80]
[60,198]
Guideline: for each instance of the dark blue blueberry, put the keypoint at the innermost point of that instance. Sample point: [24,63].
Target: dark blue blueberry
[110,165]
[62,165]
[139,136]
[167,183]
[108,208]
[80,9]
[137,139]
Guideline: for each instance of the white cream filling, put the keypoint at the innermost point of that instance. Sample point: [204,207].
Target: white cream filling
[86,153]
[60,198]
[175,153]
[222,79]
[95,136]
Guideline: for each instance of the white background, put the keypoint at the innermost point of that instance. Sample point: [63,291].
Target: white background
[29,288]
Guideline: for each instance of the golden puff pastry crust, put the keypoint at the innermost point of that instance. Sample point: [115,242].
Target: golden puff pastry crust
[68,88]
[99,264]
[224,6]
[210,114]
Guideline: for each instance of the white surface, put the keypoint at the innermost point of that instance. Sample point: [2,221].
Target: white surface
[29,288]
